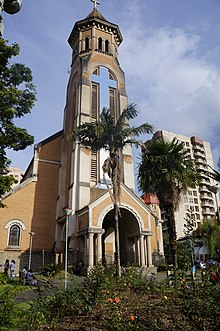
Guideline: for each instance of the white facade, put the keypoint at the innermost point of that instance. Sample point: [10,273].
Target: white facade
[200,201]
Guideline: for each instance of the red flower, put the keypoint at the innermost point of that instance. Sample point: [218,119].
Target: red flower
[110,300]
[116,300]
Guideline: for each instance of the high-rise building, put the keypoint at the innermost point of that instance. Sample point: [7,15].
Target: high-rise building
[198,201]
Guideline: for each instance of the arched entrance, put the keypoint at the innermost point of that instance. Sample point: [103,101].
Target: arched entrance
[129,232]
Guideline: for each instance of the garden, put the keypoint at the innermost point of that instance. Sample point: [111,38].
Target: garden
[103,301]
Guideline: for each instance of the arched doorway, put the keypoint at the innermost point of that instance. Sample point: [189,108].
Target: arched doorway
[129,231]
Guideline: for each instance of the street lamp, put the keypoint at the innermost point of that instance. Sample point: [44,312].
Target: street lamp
[67,212]
[214,189]
[30,249]
[10,7]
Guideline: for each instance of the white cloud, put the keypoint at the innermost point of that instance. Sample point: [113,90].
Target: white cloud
[176,88]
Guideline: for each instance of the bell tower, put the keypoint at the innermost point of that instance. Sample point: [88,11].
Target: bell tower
[96,81]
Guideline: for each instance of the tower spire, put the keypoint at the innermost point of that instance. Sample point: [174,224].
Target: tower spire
[96,2]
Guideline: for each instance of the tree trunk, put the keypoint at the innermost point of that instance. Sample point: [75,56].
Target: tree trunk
[116,194]
[172,233]
[117,244]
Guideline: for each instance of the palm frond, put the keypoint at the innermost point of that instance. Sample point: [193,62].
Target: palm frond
[135,142]
[130,112]
[144,128]
[214,174]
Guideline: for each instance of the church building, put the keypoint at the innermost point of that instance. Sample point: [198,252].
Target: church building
[63,198]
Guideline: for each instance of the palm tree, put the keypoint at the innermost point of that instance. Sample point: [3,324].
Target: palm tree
[166,169]
[112,135]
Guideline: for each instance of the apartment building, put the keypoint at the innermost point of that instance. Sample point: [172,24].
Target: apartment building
[199,201]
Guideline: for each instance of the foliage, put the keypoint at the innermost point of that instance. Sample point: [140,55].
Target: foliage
[17,97]
[166,170]
[110,134]
[9,313]
[50,269]
[210,232]
[3,278]
[132,302]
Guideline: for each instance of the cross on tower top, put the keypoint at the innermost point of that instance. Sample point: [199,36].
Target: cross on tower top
[96,2]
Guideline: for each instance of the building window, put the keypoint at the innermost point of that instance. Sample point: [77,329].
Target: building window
[86,43]
[14,229]
[100,44]
[112,98]
[107,46]
[14,235]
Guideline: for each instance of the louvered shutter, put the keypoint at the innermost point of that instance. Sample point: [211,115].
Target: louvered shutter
[94,109]
[94,116]
[112,100]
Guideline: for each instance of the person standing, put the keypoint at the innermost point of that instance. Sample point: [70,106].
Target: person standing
[6,267]
[12,269]
[24,275]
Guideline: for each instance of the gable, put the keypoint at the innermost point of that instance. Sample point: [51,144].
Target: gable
[129,201]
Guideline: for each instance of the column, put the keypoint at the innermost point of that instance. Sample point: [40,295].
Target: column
[94,46]
[99,247]
[135,250]
[83,44]
[145,250]
[149,255]
[138,251]
[142,250]
[90,250]
[80,42]
[86,251]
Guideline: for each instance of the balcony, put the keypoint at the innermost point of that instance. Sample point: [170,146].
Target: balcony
[207,203]
[207,213]
[199,153]
[203,188]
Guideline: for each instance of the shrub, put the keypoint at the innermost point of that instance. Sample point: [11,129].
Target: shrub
[50,269]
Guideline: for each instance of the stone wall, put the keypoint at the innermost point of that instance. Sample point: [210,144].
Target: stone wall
[38,259]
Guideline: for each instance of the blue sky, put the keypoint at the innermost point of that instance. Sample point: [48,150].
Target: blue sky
[170,55]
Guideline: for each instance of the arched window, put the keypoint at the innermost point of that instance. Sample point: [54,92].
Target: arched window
[100,44]
[14,236]
[86,43]
[107,46]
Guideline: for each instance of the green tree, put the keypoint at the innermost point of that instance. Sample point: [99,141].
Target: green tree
[112,135]
[166,169]
[17,97]
[210,233]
